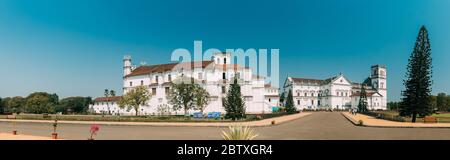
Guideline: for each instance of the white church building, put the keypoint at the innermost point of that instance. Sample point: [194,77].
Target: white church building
[338,92]
[214,75]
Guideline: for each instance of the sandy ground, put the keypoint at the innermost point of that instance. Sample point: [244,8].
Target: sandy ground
[10,136]
[374,122]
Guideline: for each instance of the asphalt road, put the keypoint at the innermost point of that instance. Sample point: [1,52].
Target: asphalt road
[317,126]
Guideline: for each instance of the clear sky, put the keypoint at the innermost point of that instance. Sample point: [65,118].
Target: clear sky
[75,47]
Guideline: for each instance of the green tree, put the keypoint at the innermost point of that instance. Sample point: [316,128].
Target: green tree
[441,102]
[134,99]
[416,96]
[41,102]
[393,105]
[448,103]
[201,98]
[2,107]
[433,102]
[112,93]
[362,105]
[290,108]
[106,93]
[74,105]
[282,97]
[234,104]
[15,104]
[182,94]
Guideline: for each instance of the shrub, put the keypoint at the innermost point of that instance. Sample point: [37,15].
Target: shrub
[94,129]
[360,123]
[239,133]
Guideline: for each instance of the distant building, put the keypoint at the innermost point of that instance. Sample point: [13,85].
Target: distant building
[214,75]
[338,92]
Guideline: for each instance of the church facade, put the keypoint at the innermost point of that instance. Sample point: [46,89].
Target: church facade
[215,76]
[338,92]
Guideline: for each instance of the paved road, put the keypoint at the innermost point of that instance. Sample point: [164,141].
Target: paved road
[322,126]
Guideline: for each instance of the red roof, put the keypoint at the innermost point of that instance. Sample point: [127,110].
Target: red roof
[368,94]
[107,99]
[305,80]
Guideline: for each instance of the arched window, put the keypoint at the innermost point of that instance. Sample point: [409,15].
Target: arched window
[224,60]
[223,75]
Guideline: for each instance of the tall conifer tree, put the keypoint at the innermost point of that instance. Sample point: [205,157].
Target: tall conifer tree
[362,106]
[290,108]
[234,104]
[416,96]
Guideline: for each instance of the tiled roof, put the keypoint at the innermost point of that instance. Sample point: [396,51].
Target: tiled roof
[107,99]
[306,80]
[368,94]
[232,66]
[313,81]
[142,70]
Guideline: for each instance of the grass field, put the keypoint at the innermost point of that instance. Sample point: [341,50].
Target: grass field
[172,118]
[441,117]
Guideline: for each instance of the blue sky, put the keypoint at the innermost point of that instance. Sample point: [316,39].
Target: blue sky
[75,47]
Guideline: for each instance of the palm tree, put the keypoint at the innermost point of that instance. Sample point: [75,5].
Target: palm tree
[112,93]
[107,100]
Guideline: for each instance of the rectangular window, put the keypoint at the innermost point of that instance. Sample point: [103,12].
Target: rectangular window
[153,91]
[298,102]
[167,90]
[223,75]
[200,75]
[170,78]
[142,83]
[223,89]
[131,84]
[306,95]
[156,78]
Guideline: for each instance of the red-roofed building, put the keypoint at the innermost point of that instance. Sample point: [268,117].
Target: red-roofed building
[214,75]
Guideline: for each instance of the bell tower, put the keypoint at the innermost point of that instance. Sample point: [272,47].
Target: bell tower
[379,82]
[378,77]
[127,66]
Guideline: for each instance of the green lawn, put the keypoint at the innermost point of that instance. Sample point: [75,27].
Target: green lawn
[172,118]
[442,115]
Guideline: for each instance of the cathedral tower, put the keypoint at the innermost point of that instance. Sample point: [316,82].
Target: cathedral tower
[127,66]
